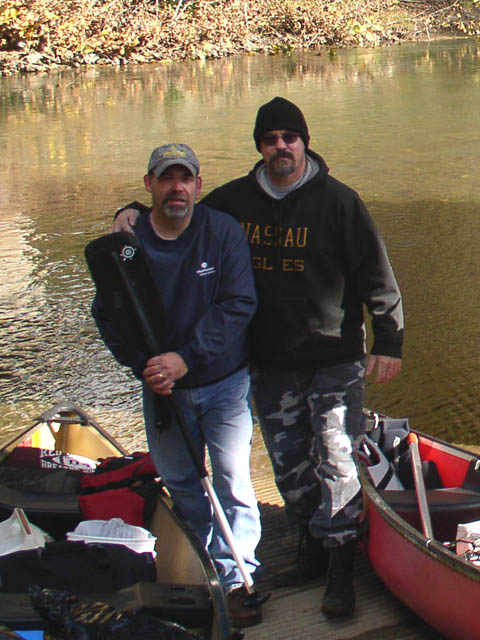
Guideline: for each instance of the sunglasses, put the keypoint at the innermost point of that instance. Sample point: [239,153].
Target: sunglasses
[270,139]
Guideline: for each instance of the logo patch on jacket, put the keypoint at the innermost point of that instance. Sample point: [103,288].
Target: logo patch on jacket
[205,270]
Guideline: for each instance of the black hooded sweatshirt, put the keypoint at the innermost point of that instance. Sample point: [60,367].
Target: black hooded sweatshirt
[318,259]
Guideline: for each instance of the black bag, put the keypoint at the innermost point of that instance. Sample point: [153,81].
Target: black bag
[79,567]
[67,618]
[390,435]
[44,471]
[51,482]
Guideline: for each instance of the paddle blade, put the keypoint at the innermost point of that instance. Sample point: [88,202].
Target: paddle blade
[124,281]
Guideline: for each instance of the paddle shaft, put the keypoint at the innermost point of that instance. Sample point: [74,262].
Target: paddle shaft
[154,348]
[420,486]
[142,317]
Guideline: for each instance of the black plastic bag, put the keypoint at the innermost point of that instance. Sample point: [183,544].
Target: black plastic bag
[66,618]
[7,634]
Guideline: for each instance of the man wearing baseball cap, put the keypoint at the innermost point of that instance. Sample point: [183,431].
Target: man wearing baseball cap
[318,261]
[201,264]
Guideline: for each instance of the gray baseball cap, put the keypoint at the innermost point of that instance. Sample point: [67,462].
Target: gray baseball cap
[169,154]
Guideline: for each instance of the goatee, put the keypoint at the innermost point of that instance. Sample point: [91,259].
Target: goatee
[176,212]
[281,169]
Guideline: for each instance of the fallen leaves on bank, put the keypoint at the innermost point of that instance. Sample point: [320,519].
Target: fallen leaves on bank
[40,35]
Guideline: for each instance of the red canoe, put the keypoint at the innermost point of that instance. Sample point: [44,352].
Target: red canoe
[427,575]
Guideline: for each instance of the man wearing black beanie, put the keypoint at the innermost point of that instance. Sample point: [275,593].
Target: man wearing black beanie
[280,114]
[318,261]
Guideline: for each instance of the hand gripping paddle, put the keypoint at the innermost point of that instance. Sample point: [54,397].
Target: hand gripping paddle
[123,278]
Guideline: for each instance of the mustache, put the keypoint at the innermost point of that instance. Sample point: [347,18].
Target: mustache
[175,196]
[283,153]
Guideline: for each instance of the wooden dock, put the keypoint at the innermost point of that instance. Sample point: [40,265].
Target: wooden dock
[294,613]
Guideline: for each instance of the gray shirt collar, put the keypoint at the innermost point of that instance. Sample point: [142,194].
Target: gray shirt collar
[311,169]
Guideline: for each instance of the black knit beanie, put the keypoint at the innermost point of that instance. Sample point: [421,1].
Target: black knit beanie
[280,114]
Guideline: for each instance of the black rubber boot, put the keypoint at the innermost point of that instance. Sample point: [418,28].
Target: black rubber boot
[339,598]
[311,562]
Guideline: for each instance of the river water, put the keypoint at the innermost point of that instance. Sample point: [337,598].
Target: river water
[401,125]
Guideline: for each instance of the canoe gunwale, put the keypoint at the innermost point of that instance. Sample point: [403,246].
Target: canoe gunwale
[58,413]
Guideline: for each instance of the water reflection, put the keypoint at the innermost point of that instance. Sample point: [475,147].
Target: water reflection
[399,124]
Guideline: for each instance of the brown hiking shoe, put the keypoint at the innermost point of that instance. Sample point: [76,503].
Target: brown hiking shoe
[239,614]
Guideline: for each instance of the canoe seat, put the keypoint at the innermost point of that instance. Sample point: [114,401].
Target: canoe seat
[472,477]
[39,509]
[448,508]
[37,502]
[438,499]
[188,605]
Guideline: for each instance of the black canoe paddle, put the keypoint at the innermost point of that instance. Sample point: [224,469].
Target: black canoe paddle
[125,284]
[123,278]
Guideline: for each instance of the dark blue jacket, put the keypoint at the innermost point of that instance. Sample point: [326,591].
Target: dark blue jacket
[206,282]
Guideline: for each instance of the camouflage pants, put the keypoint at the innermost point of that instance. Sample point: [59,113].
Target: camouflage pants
[311,421]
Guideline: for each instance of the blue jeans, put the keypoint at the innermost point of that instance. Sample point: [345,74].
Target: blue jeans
[218,417]
[311,422]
